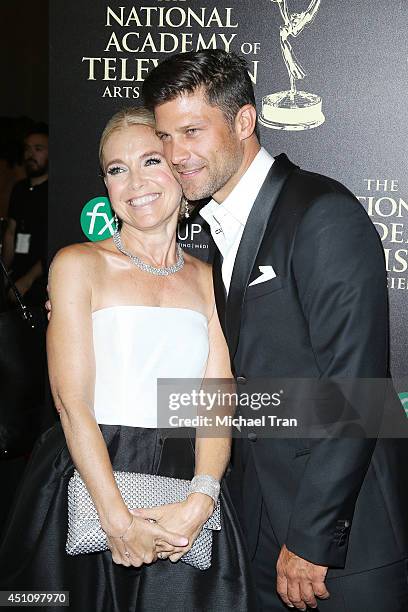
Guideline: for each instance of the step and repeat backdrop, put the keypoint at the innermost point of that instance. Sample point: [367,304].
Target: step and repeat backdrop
[331,85]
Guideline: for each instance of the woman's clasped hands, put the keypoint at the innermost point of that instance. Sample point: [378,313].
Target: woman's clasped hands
[163,532]
[167,531]
[142,541]
[186,517]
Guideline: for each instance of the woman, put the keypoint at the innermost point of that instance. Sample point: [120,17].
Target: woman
[127,311]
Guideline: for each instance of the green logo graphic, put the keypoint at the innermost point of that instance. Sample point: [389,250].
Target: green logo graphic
[97,219]
[404,400]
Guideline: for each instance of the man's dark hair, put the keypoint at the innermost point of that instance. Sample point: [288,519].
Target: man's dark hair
[37,128]
[223,76]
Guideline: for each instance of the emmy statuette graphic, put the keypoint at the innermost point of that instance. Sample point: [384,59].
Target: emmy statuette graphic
[292,109]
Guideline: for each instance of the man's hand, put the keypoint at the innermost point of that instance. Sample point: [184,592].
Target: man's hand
[48,305]
[25,282]
[23,285]
[299,582]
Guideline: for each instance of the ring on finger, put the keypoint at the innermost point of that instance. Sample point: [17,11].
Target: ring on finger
[161,555]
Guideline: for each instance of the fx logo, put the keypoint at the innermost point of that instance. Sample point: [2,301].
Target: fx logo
[404,400]
[97,219]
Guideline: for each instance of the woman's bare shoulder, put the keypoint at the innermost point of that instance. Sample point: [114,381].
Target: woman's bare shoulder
[202,274]
[80,253]
[199,265]
[202,269]
[77,259]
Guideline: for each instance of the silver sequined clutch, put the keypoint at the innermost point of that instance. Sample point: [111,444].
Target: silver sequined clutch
[85,534]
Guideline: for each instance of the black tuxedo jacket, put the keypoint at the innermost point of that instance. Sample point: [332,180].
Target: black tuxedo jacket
[339,502]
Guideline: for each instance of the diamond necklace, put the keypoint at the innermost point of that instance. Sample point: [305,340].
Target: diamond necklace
[147,267]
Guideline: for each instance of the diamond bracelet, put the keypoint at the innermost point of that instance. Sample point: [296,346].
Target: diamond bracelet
[206,484]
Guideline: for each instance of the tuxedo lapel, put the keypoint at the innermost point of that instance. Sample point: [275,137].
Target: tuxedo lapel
[219,290]
[249,246]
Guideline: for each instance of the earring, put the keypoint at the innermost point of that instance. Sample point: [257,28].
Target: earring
[115,218]
[186,208]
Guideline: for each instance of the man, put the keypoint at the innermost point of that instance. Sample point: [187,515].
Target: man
[25,239]
[301,293]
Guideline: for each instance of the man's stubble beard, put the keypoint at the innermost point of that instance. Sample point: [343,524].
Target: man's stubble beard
[35,171]
[218,177]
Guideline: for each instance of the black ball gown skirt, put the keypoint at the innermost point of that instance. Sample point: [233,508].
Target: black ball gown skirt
[32,551]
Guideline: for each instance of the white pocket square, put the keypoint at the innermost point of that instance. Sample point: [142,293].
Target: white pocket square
[267,273]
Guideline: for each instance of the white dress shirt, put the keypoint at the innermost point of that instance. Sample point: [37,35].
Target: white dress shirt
[227,220]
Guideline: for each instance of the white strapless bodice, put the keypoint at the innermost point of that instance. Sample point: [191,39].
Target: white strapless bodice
[136,345]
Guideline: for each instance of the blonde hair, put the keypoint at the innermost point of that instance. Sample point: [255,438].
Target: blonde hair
[130,115]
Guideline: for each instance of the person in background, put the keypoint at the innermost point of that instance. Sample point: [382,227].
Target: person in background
[12,133]
[25,239]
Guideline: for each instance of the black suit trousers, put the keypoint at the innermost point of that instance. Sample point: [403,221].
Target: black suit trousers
[383,589]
